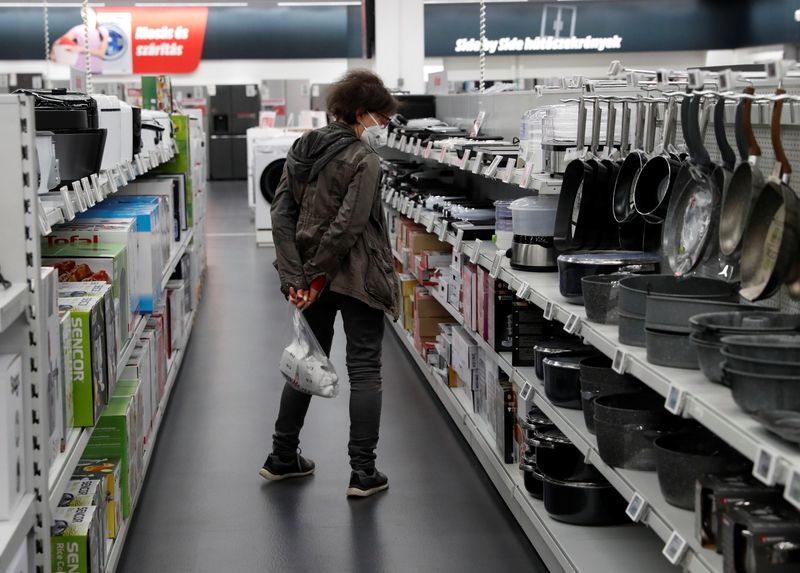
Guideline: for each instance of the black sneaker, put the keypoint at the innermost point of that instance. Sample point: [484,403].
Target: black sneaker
[276,469]
[364,484]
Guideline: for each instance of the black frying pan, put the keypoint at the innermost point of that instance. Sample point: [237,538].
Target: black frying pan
[723,171]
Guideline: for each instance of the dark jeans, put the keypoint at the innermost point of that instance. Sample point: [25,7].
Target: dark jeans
[363,327]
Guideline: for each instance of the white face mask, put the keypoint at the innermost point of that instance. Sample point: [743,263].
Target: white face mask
[374,136]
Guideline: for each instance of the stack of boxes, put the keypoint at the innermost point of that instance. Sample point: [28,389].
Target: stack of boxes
[428,315]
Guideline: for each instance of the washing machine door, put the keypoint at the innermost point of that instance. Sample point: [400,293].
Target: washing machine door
[270,178]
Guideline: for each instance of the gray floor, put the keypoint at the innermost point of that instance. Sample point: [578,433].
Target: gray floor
[204,508]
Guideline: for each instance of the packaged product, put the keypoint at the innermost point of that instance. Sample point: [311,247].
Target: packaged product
[176,308]
[68,411]
[155,324]
[109,471]
[87,493]
[139,368]
[77,540]
[133,388]
[172,188]
[12,434]
[48,309]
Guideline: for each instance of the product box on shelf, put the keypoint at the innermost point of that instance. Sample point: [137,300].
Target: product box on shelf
[113,332]
[117,232]
[134,389]
[170,187]
[12,434]
[48,310]
[156,325]
[21,563]
[407,286]
[529,327]
[419,241]
[501,307]
[464,354]
[182,162]
[163,217]
[428,315]
[482,302]
[77,543]
[68,412]
[88,357]
[109,471]
[469,296]
[149,340]
[506,418]
[87,493]
[176,309]
[117,434]
[106,263]
[139,368]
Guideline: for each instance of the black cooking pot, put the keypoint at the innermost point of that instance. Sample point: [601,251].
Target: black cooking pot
[572,267]
[599,379]
[535,421]
[627,424]
[584,503]
[562,381]
[533,478]
[558,458]
[558,347]
[683,457]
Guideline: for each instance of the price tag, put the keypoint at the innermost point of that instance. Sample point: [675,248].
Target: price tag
[496,264]
[525,392]
[509,170]
[459,238]
[140,163]
[392,138]
[476,168]
[443,231]
[636,508]
[68,209]
[526,176]
[765,466]
[418,213]
[477,254]
[675,400]
[491,171]
[548,310]
[87,197]
[428,149]
[431,224]
[78,198]
[418,150]
[618,364]
[131,174]
[573,324]
[442,154]
[524,290]
[98,190]
[675,548]
[403,141]
[792,491]
[465,159]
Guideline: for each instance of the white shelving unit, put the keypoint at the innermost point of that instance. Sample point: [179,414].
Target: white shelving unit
[176,256]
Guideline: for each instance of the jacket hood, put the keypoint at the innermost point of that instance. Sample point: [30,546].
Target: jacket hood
[314,150]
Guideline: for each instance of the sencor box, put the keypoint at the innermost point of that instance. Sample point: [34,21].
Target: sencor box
[108,471]
[77,543]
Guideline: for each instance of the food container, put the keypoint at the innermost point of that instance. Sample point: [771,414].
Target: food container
[534,216]
[671,349]
[562,381]
[599,379]
[627,424]
[683,457]
[572,267]
[709,357]
[601,297]
[558,458]
[561,346]
[584,503]
[759,392]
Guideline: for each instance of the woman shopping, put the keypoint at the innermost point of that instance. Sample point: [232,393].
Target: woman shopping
[334,256]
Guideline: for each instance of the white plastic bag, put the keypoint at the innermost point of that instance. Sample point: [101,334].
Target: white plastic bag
[304,365]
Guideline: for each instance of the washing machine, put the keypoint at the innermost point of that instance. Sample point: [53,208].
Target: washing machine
[267,154]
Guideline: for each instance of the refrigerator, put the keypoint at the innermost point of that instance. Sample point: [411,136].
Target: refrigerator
[286,97]
[234,109]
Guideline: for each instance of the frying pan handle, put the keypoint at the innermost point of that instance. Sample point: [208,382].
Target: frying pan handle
[638,139]
[670,124]
[611,125]
[775,132]
[626,127]
[700,152]
[650,127]
[728,156]
[581,140]
[597,115]
[687,133]
[747,126]
[741,136]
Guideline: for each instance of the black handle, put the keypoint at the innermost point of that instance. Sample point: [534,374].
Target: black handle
[728,156]
[687,135]
[700,153]
[741,136]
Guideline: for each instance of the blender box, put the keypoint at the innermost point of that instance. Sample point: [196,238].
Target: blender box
[116,434]
[114,341]
[86,493]
[12,434]
[77,541]
[116,231]
[87,346]
[108,471]
[101,263]
[48,310]
[151,254]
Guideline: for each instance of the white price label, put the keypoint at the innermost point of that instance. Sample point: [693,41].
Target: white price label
[491,171]
[431,225]
[418,150]
[792,491]
[140,164]
[465,159]
[765,466]
[477,252]
[418,213]
[496,264]
[674,548]
[549,307]
[476,167]
[618,364]
[573,324]
[509,170]
[403,141]
[524,290]
[459,239]
[88,196]
[675,400]
[428,149]
[80,202]
[443,231]
[636,508]
[131,174]
[98,189]
[442,154]
[69,207]
[392,138]
[526,176]
[525,392]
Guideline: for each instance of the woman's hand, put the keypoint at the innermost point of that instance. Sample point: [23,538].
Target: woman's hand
[302,298]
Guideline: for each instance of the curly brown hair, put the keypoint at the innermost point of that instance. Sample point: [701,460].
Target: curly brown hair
[360,91]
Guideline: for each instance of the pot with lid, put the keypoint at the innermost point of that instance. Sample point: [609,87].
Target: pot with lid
[572,267]
[561,346]
[558,458]
[533,224]
[562,380]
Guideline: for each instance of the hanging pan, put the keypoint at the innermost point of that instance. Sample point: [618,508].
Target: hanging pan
[724,170]
[693,209]
[631,225]
[770,241]
[745,184]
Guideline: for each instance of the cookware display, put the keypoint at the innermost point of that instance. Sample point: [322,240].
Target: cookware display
[626,426]
[557,458]
[683,457]
[572,267]
[532,477]
[533,225]
[601,297]
[535,421]
[562,381]
[558,347]
[584,503]
[599,379]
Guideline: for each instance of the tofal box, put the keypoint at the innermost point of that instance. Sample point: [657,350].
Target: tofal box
[77,542]
[87,346]
[12,434]
[108,471]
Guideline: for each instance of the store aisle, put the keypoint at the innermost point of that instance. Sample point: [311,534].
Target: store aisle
[204,508]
